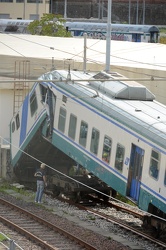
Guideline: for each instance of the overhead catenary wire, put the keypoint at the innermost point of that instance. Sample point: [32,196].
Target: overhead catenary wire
[69,177]
[88,80]
[90,48]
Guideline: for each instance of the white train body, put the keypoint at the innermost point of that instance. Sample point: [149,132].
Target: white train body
[14,25]
[114,129]
[120,32]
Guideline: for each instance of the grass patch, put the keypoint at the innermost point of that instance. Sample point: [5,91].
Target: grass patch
[125,200]
[7,186]
[91,217]
[2,237]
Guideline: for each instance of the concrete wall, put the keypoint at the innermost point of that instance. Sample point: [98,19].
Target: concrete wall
[6,111]
[5,168]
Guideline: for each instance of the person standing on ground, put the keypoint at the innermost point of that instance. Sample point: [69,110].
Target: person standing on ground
[41,182]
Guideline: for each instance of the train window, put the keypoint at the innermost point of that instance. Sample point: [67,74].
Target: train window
[43,91]
[165,178]
[17,121]
[94,141]
[33,103]
[154,164]
[72,126]
[62,120]
[119,157]
[106,149]
[13,127]
[83,133]
[64,99]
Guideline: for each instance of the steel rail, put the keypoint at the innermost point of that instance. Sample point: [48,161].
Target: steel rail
[46,223]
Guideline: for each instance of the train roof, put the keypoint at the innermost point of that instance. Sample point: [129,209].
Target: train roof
[118,27]
[142,115]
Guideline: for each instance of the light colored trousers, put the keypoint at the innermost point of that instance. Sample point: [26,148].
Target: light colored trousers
[40,190]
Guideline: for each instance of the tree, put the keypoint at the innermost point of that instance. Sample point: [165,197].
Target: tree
[49,25]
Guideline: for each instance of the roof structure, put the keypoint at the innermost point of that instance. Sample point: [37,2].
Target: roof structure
[140,55]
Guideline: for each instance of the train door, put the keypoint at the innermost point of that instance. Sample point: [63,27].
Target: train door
[153,37]
[136,37]
[135,172]
[51,102]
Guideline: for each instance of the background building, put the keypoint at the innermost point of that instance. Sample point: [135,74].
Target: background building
[123,11]
[23,9]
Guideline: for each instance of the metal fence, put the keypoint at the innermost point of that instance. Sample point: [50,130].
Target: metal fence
[8,243]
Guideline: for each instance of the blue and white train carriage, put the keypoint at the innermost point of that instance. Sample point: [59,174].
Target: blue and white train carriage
[113,128]
[120,32]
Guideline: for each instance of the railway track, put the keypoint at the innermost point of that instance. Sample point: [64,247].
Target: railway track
[140,232]
[65,208]
[45,234]
[124,225]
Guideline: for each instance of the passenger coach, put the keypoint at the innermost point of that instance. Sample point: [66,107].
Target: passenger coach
[113,128]
[120,32]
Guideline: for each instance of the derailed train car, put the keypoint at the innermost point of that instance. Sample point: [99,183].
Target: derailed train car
[112,128]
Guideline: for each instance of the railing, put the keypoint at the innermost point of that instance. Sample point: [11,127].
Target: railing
[9,243]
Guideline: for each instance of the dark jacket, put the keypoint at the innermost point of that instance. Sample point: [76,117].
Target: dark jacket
[39,174]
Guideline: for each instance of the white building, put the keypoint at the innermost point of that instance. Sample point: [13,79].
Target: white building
[23,9]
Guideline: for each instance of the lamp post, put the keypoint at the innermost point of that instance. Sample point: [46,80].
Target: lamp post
[137,12]
[108,36]
[65,9]
[143,19]
[24,10]
[129,11]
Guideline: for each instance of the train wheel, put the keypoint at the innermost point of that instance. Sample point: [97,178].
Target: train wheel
[56,191]
[76,197]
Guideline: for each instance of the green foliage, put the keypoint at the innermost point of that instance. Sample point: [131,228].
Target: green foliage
[2,237]
[124,199]
[91,217]
[49,25]
[162,30]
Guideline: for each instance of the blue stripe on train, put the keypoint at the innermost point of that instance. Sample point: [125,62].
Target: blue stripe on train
[24,120]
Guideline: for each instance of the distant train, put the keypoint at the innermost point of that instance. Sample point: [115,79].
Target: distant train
[112,128]
[14,25]
[120,32]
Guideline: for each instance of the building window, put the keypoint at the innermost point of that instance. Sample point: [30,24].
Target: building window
[62,120]
[154,164]
[119,157]
[6,1]
[83,133]
[72,126]
[33,103]
[35,1]
[17,121]
[106,149]
[94,141]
